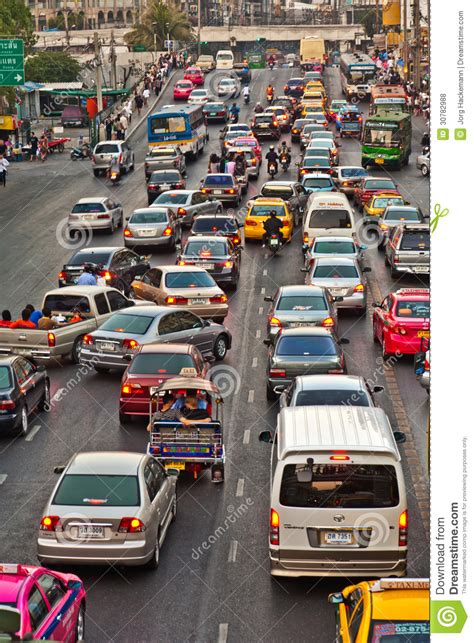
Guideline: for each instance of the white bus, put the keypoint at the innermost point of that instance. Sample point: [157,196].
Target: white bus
[224,59]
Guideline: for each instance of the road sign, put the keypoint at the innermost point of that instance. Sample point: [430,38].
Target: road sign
[12,62]
[169,44]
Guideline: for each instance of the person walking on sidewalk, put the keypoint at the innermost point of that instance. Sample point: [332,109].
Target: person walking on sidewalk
[3,169]
[138,103]
[108,128]
[146,95]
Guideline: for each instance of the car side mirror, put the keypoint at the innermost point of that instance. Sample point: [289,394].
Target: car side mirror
[376,304]
[127,219]
[206,322]
[59,469]
[127,357]
[378,389]
[74,584]
[344,340]
[338,299]
[266,436]
[366,269]
[40,368]
[267,342]
[268,298]
[210,359]
[399,436]
[335,599]
[279,389]
[172,472]
[137,278]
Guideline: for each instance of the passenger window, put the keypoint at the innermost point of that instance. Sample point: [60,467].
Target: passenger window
[19,372]
[159,473]
[27,367]
[110,205]
[188,320]
[355,621]
[386,304]
[53,588]
[117,301]
[37,608]
[101,304]
[169,324]
[152,277]
[151,483]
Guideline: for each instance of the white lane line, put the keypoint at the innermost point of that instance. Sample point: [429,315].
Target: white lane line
[232,552]
[251,396]
[240,488]
[32,433]
[257,334]
[223,632]
[3,477]
[262,292]
[260,310]
[254,362]
[265,273]
[246,439]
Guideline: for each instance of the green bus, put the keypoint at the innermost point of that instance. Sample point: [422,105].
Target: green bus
[255,59]
[386,140]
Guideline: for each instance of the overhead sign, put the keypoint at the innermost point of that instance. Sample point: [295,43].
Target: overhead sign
[12,62]
[169,44]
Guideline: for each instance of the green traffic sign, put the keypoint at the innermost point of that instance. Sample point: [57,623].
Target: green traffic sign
[12,62]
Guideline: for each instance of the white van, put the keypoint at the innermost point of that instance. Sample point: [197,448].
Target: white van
[327,214]
[224,59]
[338,498]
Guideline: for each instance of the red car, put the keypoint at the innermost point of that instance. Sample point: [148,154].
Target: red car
[249,141]
[371,185]
[182,89]
[402,321]
[195,75]
[151,366]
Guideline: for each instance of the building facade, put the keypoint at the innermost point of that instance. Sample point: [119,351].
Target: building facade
[96,13]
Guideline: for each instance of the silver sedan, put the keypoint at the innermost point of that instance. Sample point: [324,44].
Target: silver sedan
[188,204]
[343,278]
[325,247]
[152,226]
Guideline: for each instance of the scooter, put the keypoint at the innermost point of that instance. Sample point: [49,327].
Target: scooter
[81,153]
[271,64]
[247,98]
[285,162]
[273,243]
[272,170]
[115,174]
[270,97]
[234,117]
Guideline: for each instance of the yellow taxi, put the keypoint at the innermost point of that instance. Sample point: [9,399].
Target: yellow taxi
[259,211]
[315,94]
[314,84]
[388,609]
[377,203]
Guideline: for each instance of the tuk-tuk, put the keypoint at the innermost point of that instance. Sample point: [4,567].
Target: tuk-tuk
[349,122]
[192,447]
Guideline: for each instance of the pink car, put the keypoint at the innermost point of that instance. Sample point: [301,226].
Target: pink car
[195,75]
[182,89]
[51,604]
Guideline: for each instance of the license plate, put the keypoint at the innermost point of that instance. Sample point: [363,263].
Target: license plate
[338,538]
[264,126]
[90,532]
[155,389]
[22,351]
[146,233]
[217,191]
[197,302]
[338,291]
[213,114]
[273,243]
[421,269]
[379,161]
[423,333]
[88,217]
[165,186]
[175,465]
[106,346]
[207,266]
[300,324]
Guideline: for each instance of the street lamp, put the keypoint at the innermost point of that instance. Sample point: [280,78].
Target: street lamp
[167,25]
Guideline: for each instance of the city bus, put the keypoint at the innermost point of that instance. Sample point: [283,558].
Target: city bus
[184,126]
[358,73]
[255,59]
[224,59]
[388,98]
[386,140]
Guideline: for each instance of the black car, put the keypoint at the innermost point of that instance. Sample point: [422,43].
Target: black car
[290,191]
[217,254]
[216,112]
[294,87]
[266,126]
[163,180]
[117,266]
[243,72]
[24,387]
[219,225]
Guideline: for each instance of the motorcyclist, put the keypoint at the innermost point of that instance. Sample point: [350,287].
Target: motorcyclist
[114,170]
[270,92]
[272,225]
[284,151]
[272,158]
[235,111]
[259,108]
[246,92]
[88,277]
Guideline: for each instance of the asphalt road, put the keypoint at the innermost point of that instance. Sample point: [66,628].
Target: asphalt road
[222,591]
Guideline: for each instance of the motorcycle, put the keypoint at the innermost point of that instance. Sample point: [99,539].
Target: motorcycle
[115,175]
[285,162]
[271,64]
[81,153]
[247,98]
[272,170]
[234,117]
[270,97]
[273,243]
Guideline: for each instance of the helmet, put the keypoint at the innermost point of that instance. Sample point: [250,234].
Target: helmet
[89,267]
[272,147]
[234,104]
[273,213]
[257,104]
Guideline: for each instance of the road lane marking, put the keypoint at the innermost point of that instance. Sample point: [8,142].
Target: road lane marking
[254,362]
[3,477]
[32,433]
[251,396]
[265,273]
[246,439]
[232,552]
[258,334]
[260,310]
[223,632]
[262,292]
[240,488]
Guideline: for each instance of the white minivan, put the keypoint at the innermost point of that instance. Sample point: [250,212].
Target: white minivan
[327,214]
[338,497]
[224,59]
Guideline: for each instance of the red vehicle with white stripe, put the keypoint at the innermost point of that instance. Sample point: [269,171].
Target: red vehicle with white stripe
[402,321]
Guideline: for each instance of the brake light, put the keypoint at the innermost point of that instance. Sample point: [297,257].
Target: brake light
[182,211]
[51,340]
[6,405]
[205,190]
[106,275]
[50,523]
[274,321]
[220,299]
[254,161]
[167,231]
[230,191]
[285,222]
[402,529]
[130,344]
[175,300]
[277,372]
[228,264]
[87,339]
[335,371]
[235,240]
[181,263]
[62,275]
[93,158]
[294,130]
[306,237]
[103,216]
[120,158]
[127,233]
[400,331]
[328,322]
[340,457]
[274,528]
[132,389]
[250,222]
[359,288]
[303,171]
[131,526]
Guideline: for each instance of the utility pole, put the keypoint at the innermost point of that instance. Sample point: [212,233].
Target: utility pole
[66,25]
[113,61]
[377,17]
[417,43]
[98,78]
[199,29]
[406,50]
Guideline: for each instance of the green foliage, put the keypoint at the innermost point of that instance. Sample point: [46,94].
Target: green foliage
[16,20]
[74,21]
[154,22]
[52,66]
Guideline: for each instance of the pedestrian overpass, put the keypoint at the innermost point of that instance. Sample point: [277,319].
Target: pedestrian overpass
[279,33]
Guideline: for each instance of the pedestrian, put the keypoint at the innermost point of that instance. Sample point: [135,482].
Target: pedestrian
[240,164]
[416,105]
[34,142]
[3,169]
[128,110]
[43,148]
[138,103]
[222,163]
[230,165]
[124,124]
[214,163]
[6,320]
[108,128]
[3,147]
[146,95]
[118,128]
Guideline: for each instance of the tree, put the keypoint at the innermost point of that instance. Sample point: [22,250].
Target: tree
[16,20]
[52,66]
[159,20]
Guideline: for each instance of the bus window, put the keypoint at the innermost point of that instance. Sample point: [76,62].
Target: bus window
[168,124]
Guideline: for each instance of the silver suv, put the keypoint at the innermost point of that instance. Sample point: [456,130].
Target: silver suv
[109,151]
[408,249]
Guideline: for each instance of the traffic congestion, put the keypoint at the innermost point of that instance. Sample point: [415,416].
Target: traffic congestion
[214,412]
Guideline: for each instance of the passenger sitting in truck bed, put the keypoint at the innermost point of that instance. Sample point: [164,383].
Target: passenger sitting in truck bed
[77,316]
[24,322]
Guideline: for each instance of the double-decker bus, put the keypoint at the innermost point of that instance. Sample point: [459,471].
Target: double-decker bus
[184,126]
[358,73]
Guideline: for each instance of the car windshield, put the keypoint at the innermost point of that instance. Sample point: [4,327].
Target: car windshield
[66,303]
[351,172]
[380,184]
[156,177]
[264,118]
[172,198]
[107,148]
[227,81]
[322,135]
[382,137]
[214,225]
[218,180]
[5,379]
[88,208]
[335,272]
[334,248]
[330,219]
[189,280]
[317,183]
[413,309]
[283,191]
[98,490]
[152,216]
[399,631]
[206,249]
[199,92]
[334,397]
[307,129]
[160,364]
[412,240]
[301,303]
[264,210]
[402,215]
[299,346]
[81,258]
[382,202]
[184,85]
[340,486]
[122,323]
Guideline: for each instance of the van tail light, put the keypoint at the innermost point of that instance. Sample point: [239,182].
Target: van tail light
[181,212]
[50,523]
[7,405]
[133,389]
[359,288]
[88,340]
[399,330]
[62,275]
[274,527]
[130,344]
[51,340]
[328,322]
[306,237]
[176,300]
[131,526]
[220,299]
[167,232]
[340,458]
[403,529]
[274,321]
[285,223]
[277,372]
[127,233]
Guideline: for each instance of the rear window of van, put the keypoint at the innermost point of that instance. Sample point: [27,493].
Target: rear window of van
[332,218]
